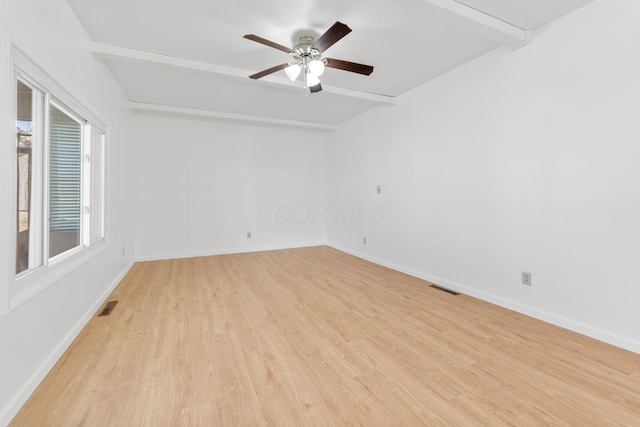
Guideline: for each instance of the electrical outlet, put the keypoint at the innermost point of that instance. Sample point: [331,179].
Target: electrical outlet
[122,251]
[379,189]
[526,278]
[248,234]
[364,240]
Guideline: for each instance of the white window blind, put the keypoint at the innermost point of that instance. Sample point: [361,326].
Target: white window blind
[65,178]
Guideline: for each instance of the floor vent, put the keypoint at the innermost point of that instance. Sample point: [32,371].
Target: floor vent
[108,308]
[445,290]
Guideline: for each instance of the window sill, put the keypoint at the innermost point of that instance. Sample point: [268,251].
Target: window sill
[26,287]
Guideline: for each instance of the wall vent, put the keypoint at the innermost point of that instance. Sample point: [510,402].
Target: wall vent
[449,291]
[108,308]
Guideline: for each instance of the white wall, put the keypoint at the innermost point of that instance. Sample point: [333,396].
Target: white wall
[35,334]
[202,185]
[524,160]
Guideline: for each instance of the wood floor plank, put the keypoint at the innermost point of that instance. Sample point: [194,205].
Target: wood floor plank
[316,337]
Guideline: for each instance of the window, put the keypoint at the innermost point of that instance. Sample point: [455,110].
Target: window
[60,154]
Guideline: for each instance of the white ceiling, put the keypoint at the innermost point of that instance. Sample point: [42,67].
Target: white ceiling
[189,56]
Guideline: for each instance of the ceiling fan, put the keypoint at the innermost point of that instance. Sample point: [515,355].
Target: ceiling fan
[307,57]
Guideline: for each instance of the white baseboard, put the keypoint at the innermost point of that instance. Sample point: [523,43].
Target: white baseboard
[554,319]
[180,255]
[13,406]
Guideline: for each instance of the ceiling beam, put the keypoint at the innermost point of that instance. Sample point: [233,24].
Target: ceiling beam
[105,51]
[247,118]
[471,19]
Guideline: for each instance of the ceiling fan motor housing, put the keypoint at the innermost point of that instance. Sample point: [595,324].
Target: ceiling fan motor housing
[303,50]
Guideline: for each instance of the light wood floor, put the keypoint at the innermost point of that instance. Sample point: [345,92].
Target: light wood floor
[315,337]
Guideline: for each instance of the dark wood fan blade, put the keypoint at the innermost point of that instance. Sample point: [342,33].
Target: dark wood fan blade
[269,43]
[354,67]
[269,71]
[316,88]
[331,36]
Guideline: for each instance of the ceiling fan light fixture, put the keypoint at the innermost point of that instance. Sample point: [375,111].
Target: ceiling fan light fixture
[312,79]
[316,67]
[292,71]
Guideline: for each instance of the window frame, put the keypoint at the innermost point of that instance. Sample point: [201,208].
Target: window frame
[37,161]
[25,285]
